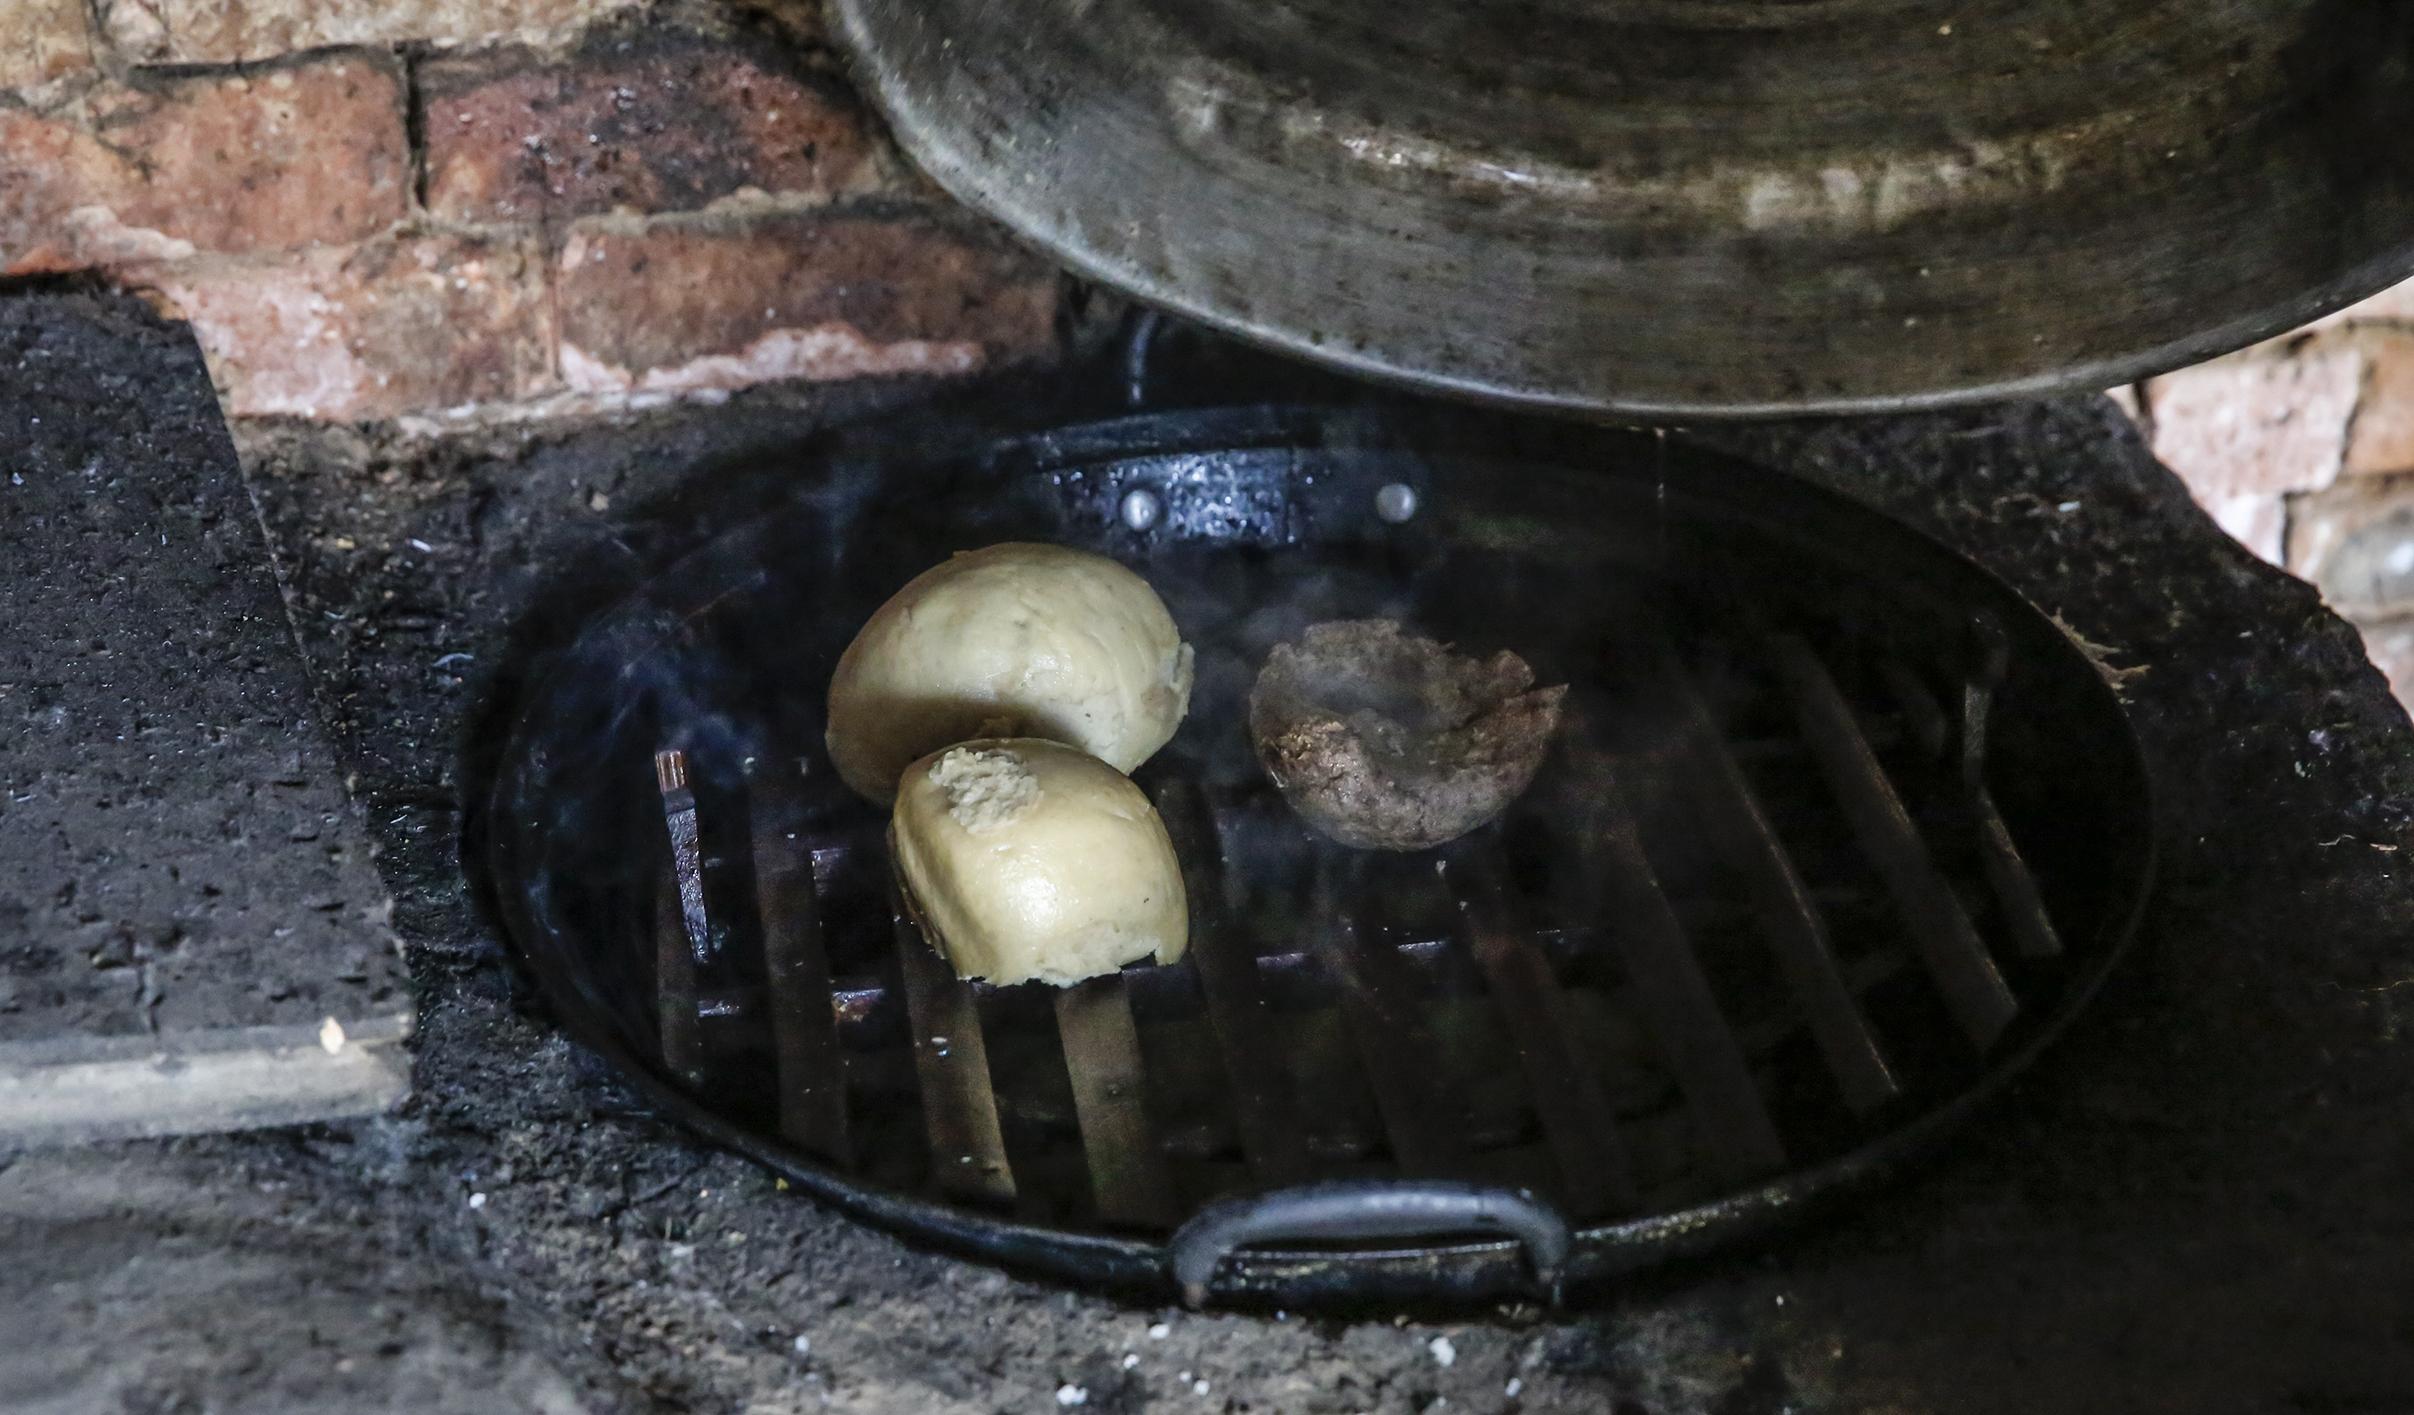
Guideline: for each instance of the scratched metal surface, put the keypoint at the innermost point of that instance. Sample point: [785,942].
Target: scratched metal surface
[1685,207]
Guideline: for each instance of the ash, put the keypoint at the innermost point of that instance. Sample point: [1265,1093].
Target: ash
[2185,1208]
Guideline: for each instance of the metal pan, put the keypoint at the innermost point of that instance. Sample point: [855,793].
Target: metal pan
[1850,833]
[1671,209]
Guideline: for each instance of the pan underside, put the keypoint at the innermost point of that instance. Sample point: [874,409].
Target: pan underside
[1673,211]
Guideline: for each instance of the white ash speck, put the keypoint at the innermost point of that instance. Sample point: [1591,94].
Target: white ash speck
[803,1345]
[1070,1394]
[1198,1387]
[1159,1332]
[1445,1353]
[1130,1359]
[1514,1388]
[477,1201]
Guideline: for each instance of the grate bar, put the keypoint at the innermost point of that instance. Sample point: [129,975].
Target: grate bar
[2032,927]
[676,1016]
[1949,945]
[687,850]
[1679,1009]
[951,1064]
[1790,919]
[810,1064]
[1578,1123]
[1264,1108]
[1102,1053]
[2007,874]
[681,930]
[1424,1116]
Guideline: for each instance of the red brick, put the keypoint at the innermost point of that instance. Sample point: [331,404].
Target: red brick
[397,325]
[2355,542]
[289,157]
[660,124]
[2257,424]
[41,40]
[231,31]
[681,306]
[2382,436]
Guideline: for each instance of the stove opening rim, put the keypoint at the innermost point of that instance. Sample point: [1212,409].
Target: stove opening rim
[1446,1273]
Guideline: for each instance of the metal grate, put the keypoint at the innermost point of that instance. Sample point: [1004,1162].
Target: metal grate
[1837,833]
[1612,1027]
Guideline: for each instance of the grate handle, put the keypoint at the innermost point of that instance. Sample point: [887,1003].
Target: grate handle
[1369,1208]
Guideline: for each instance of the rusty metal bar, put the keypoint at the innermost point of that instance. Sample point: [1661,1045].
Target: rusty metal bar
[687,851]
[1264,1109]
[2033,931]
[951,1064]
[808,1061]
[676,1014]
[1424,1116]
[1949,945]
[1578,1123]
[681,929]
[1102,1054]
[1790,920]
[1679,1010]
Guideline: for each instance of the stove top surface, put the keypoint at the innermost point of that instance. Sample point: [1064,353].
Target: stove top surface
[2187,1209]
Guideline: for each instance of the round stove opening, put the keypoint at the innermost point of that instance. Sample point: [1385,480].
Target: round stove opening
[1835,833]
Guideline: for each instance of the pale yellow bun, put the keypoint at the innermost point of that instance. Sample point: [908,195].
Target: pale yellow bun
[1013,640]
[1025,859]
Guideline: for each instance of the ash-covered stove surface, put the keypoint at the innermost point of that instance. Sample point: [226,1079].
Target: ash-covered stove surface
[1838,832]
[2190,1206]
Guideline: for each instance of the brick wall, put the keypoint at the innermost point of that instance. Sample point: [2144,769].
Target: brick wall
[2303,448]
[463,210]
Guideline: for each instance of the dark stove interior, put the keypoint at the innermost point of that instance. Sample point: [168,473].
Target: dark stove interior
[1839,833]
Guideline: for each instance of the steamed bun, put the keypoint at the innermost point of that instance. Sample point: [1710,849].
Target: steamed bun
[1024,859]
[1014,640]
